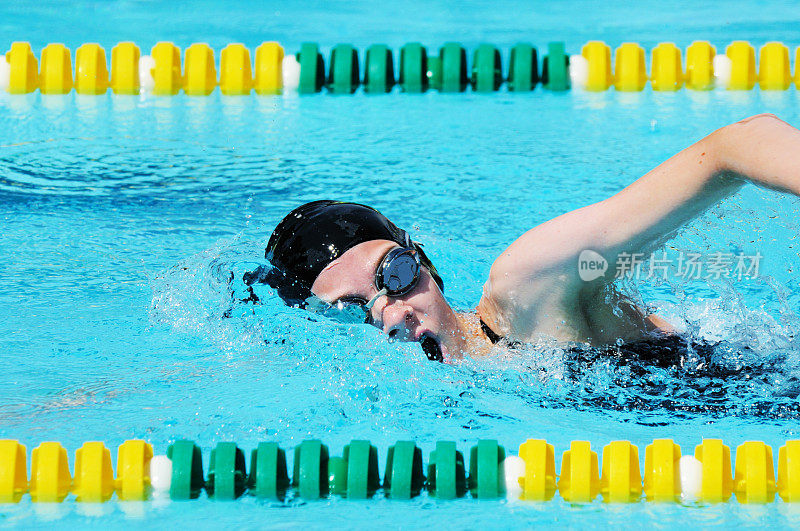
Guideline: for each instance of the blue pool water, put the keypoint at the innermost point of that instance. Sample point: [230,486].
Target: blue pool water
[124,216]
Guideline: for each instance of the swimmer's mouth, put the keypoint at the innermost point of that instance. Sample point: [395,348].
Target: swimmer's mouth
[431,347]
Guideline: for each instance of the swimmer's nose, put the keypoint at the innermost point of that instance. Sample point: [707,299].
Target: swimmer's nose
[398,321]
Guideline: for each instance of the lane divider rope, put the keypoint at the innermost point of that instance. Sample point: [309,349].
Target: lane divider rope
[705,477]
[274,72]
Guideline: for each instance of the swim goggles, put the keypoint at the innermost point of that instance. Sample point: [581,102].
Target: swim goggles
[397,274]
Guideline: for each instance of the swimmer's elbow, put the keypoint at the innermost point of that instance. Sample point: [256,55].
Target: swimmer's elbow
[750,126]
[759,120]
[732,143]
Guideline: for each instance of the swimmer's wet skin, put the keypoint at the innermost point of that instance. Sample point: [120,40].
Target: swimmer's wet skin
[350,261]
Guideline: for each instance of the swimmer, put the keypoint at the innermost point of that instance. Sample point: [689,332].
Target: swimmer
[350,262]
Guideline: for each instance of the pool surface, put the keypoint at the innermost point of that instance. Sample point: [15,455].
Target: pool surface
[124,217]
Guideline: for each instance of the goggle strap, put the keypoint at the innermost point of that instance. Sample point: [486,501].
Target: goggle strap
[374,299]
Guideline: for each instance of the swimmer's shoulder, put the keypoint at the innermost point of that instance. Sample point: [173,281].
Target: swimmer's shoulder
[523,310]
[551,306]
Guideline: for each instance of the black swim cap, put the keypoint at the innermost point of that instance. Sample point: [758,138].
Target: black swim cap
[315,234]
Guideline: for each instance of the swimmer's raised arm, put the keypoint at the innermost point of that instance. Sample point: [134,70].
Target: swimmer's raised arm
[761,149]
[540,268]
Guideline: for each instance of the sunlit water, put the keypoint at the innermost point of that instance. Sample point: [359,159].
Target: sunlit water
[125,216]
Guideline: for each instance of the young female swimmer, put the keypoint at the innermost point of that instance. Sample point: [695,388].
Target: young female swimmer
[350,262]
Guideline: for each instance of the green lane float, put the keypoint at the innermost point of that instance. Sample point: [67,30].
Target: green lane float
[413,75]
[362,478]
[310,478]
[453,64]
[344,76]
[187,470]
[434,72]
[161,73]
[706,476]
[312,69]
[404,478]
[485,480]
[268,478]
[379,70]
[523,68]
[555,68]
[446,473]
[337,476]
[487,70]
[227,474]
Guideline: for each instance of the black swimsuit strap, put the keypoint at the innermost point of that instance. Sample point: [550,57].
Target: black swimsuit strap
[493,337]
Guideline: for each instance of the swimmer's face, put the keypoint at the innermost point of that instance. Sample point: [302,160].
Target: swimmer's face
[419,313]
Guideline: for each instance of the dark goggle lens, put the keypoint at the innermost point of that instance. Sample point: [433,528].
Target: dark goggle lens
[399,272]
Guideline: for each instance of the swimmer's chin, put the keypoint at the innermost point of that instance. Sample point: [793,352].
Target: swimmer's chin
[446,356]
[453,357]
[458,350]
